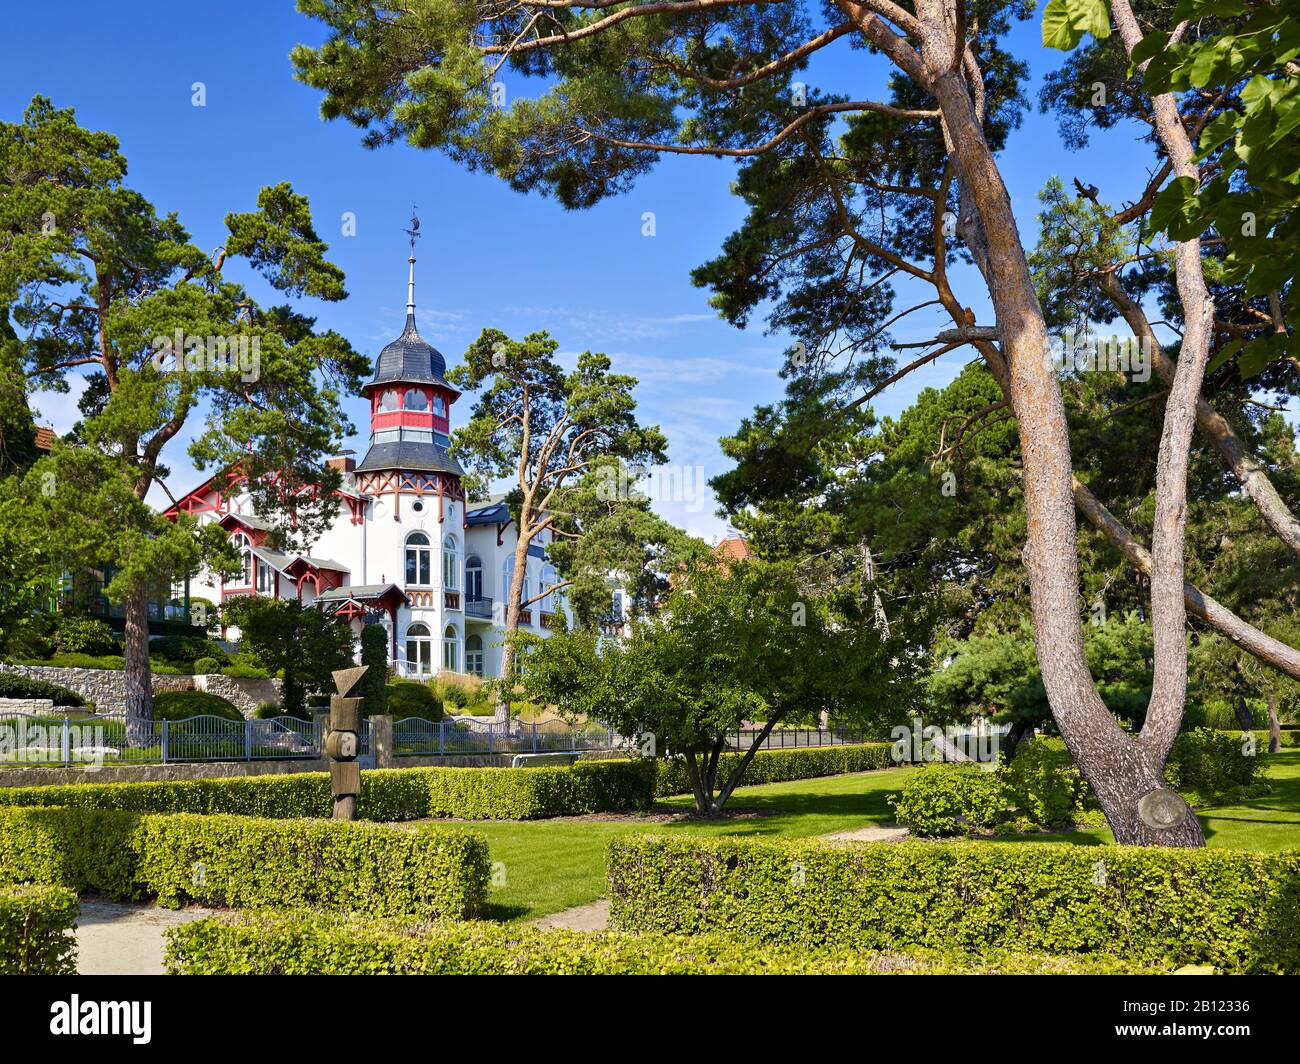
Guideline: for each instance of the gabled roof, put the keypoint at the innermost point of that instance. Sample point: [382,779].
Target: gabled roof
[359,592]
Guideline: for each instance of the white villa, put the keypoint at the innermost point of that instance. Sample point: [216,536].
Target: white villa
[406,550]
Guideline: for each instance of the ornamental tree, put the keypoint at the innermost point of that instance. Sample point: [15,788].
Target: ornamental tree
[736,643]
[544,429]
[303,644]
[96,282]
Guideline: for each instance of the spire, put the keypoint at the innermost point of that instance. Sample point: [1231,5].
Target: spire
[414,234]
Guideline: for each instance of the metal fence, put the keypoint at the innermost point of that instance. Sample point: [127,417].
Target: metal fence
[108,739]
[795,738]
[413,736]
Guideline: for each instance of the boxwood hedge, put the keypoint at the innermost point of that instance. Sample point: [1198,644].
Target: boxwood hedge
[36,925]
[386,794]
[247,862]
[314,944]
[778,766]
[1235,910]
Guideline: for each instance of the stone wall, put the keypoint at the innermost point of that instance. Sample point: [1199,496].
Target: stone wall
[39,776]
[245,693]
[26,706]
[106,688]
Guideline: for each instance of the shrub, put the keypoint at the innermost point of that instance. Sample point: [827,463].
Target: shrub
[946,799]
[1233,909]
[270,710]
[241,670]
[1211,767]
[186,648]
[178,705]
[78,634]
[15,686]
[386,794]
[1043,785]
[206,666]
[407,698]
[245,861]
[778,766]
[320,944]
[36,931]
[374,655]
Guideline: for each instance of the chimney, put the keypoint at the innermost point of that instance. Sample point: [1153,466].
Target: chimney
[344,463]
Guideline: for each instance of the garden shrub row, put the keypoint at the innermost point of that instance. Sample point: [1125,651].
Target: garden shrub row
[386,794]
[1041,787]
[315,944]
[1234,910]
[247,862]
[778,766]
[36,925]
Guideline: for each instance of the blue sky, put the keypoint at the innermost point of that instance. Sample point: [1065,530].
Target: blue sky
[488,256]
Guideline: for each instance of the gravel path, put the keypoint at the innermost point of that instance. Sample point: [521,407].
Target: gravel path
[871,833]
[119,938]
[591,917]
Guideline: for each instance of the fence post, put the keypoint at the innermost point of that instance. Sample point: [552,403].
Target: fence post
[164,741]
[381,741]
[442,728]
[534,736]
[67,743]
[491,734]
[248,740]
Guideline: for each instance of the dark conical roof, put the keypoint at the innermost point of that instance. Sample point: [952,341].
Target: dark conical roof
[411,359]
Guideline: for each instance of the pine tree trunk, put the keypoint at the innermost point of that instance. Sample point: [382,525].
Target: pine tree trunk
[139,681]
[513,609]
[1274,726]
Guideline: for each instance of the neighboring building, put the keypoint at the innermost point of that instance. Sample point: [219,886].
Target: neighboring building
[406,549]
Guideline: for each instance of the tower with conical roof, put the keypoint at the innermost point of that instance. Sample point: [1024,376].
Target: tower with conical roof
[410,418]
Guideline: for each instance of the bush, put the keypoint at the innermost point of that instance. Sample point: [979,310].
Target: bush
[78,634]
[270,710]
[1043,786]
[407,698]
[386,794]
[186,648]
[109,662]
[317,944]
[36,931]
[178,705]
[206,666]
[1235,910]
[14,686]
[946,799]
[374,655]
[778,766]
[244,861]
[241,670]
[1211,767]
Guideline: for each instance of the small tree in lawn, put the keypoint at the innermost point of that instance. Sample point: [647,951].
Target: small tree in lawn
[736,643]
[303,643]
[544,429]
[374,653]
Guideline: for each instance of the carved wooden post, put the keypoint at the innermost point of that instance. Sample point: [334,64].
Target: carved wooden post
[341,743]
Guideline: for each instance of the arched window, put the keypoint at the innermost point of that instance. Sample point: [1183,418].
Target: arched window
[416,400]
[245,548]
[450,565]
[549,580]
[474,654]
[389,400]
[419,559]
[473,578]
[450,649]
[439,407]
[419,650]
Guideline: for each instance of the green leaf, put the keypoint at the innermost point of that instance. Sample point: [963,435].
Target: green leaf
[1066,21]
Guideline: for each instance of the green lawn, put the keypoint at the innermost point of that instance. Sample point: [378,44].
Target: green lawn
[552,865]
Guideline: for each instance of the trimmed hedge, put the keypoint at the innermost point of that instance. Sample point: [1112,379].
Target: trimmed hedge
[13,685]
[386,794]
[1235,910]
[247,862]
[181,705]
[312,944]
[36,925]
[778,766]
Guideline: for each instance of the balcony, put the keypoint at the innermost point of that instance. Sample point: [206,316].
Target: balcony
[451,600]
[479,608]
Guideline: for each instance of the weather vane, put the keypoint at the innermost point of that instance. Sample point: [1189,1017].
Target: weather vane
[414,231]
